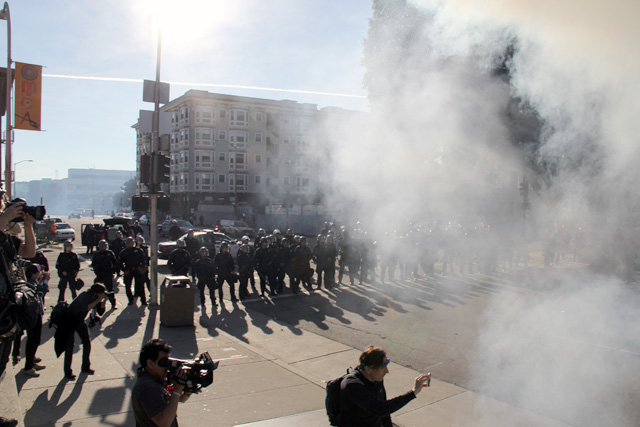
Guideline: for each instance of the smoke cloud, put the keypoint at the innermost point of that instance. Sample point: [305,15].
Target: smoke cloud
[469,99]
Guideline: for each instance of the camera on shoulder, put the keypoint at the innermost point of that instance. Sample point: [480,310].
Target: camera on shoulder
[199,371]
[38,212]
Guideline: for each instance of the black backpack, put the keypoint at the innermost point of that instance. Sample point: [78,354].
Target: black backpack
[332,400]
[31,307]
[58,314]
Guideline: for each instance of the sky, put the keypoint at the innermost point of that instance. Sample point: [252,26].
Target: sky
[96,55]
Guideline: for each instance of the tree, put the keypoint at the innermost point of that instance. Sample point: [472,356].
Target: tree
[128,191]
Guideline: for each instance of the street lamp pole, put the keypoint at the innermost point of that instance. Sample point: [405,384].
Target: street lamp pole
[153,197]
[6,15]
[14,173]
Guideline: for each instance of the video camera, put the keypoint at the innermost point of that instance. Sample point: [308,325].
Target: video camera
[199,371]
[38,212]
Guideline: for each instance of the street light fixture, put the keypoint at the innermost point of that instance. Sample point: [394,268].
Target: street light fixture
[14,173]
[5,15]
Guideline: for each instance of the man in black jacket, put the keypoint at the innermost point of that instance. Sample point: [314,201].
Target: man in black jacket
[74,322]
[205,271]
[68,266]
[132,263]
[363,398]
[179,261]
[225,265]
[105,265]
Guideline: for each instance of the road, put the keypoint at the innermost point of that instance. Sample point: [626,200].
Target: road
[561,342]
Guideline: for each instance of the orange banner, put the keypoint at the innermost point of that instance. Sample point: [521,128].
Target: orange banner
[28,96]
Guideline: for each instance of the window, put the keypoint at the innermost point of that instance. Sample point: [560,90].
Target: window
[222,135]
[286,139]
[286,181]
[241,181]
[302,145]
[184,157]
[258,179]
[221,178]
[239,138]
[223,114]
[204,159]
[238,117]
[204,136]
[285,119]
[303,164]
[204,115]
[258,137]
[258,117]
[240,161]
[207,156]
[303,184]
[304,124]
[222,157]
[184,137]
[184,115]
[206,179]
[258,158]
[174,118]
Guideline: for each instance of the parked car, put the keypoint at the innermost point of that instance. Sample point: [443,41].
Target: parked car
[233,227]
[144,220]
[163,229]
[53,219]
[207,238]
[64,232]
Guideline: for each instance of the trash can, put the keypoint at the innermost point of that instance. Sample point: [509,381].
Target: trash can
[176,301]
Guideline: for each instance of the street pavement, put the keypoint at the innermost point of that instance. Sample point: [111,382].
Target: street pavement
[270,374]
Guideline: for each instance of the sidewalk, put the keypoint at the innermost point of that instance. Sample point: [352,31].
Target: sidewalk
[270,375]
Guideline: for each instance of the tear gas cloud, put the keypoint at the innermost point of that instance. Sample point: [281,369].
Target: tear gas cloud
[467,99]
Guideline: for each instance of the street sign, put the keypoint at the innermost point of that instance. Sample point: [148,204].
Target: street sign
[148,92]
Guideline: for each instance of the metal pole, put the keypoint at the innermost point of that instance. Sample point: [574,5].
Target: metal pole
[155,146]
[235,179]
[8,138]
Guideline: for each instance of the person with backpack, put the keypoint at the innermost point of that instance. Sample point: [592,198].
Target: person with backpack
[10,248]
[363,398]
[33,325]
[72,321]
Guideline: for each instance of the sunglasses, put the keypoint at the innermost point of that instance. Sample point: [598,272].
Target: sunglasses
[385,363]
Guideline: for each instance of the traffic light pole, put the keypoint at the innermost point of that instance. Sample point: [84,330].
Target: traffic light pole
[153,197]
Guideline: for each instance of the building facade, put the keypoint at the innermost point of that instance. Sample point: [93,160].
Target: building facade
[248,153]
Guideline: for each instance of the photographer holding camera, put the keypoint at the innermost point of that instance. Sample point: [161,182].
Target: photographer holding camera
[155,397]
[10,248]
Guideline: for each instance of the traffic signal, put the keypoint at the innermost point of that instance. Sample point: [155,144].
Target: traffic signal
[164,204]
[145,169]
[161,169]
[140,203]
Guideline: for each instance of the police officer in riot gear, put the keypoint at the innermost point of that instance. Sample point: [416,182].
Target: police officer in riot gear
[179,260]
[132,263]
[105,265]
[204,270]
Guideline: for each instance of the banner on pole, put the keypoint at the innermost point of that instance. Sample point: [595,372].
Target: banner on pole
[28,96]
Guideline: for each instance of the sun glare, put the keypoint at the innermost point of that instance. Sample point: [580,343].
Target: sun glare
[184,23]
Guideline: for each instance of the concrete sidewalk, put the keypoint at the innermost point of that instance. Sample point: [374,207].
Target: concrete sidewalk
[270,374]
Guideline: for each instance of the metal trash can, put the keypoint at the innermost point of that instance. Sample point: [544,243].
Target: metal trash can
[176,301]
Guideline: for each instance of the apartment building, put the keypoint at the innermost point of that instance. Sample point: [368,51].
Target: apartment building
[239,151]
